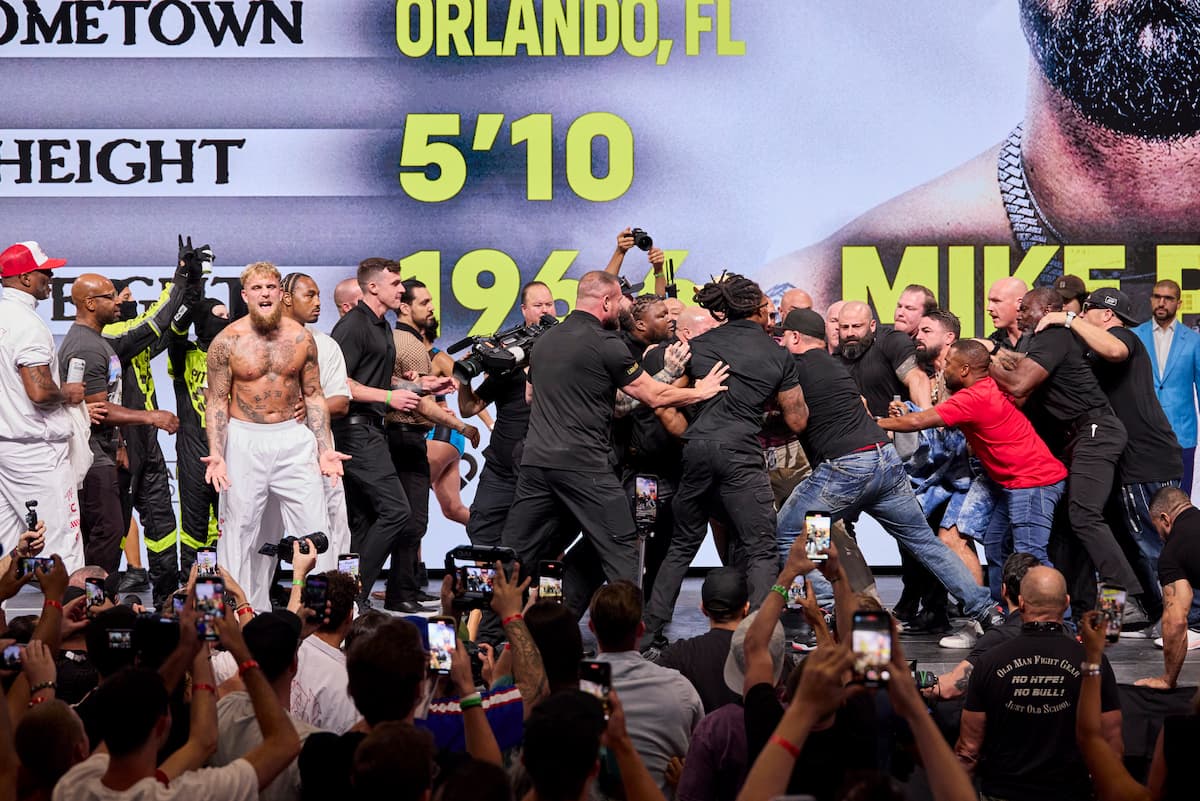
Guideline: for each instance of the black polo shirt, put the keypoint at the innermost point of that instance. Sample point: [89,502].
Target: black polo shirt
[576,369]
[1152,452]
[370,353]
[759,369]
[877,372]
[512,415]
[837,422]
[1071,390]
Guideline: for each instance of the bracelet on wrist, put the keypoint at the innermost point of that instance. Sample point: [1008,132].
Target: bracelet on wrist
[37,700]
[790,747]
[204,687]
[43,685]
[1090,668]
[249,664]
[297,582]
[387,401]
[51,602]
[470,701]
[245,609]
[782,590]
[511,618]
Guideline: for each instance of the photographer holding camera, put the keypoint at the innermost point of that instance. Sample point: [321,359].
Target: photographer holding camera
[567,469]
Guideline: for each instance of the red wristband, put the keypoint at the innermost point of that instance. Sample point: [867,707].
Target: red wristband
[208,687]
[791,748]
[51,602]
[511,618]
[249,664]
[245,610]
[37,699]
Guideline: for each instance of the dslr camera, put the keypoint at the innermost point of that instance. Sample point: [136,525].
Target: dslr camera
[287,546]
[641,239]
[501,353]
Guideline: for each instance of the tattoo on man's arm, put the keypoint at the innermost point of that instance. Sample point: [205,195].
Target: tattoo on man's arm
[965,679]
[317,414]
[41,378]
[220,382]
[528,671]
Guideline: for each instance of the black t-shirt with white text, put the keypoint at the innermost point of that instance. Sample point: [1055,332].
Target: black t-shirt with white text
[576,369]
[1028,688]
[1071,389]
[875,371]
[837,422]
[1152,452]
[1180,557]
[759,369]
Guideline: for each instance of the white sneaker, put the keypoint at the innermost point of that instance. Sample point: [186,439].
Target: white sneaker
[1193,640]
[965,637]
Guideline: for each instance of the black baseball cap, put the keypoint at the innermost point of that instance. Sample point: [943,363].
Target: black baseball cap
[1070,287]
[803,321]
[1113,299]
[724,590]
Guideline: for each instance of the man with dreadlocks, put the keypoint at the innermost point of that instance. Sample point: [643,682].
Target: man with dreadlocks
[722,458]
[567,475]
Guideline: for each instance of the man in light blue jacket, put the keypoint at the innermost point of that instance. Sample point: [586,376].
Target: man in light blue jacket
[1175,354]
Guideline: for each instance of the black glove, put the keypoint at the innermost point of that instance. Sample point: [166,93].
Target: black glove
[194,259]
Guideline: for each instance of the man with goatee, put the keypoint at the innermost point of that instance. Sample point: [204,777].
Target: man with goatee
[258,368]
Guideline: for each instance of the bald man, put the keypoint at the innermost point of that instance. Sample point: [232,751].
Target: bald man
[884,364]
[1004,298]
[692,322]
[346,295]
[831,325]
[794,299]
[101,519]
[1177,522]
[1024,691]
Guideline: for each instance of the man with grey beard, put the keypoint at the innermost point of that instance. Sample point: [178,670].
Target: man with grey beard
[884,364]
[258,368]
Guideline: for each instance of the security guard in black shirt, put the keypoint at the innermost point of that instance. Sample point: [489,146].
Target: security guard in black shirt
[567,471]
[722,458]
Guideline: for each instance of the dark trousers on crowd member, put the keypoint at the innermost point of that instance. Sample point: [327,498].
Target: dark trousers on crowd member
[494,496]
[1093,448]
[145,487]
[738,481]
[199,507]
[410,456]
[376,505]
[100,518]
[551,501]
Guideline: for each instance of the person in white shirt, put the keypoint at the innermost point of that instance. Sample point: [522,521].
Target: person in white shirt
[320,690]
[661,706]
[137,724]
[35,427]
[272,638]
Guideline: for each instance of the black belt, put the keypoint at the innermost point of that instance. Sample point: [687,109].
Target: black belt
[410,427]
[361,420]
[1082,420]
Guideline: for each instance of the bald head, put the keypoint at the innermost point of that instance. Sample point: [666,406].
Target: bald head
[95,301]
[1003,298]
[692,322]
[599,294]
[855,309]
[346,295]
[831,324]
[794,299]
[1043,595]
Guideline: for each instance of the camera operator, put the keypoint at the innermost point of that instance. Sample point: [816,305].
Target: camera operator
[102,521]
[375,499]
[35,426]
[629,238]
[498,479]
[575,371]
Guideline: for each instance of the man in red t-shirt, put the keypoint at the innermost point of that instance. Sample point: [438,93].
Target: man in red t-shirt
[1015,457]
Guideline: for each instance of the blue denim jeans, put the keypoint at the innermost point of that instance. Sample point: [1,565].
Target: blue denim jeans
[874,482]
[1020,524]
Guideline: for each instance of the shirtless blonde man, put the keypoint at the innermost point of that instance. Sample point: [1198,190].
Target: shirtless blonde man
[258,368]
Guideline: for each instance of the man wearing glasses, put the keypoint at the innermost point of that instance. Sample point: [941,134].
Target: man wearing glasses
[35,428]
[95,299]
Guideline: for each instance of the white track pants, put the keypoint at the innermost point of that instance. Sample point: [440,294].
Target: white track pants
[40,471]
[267,463]
[337,528]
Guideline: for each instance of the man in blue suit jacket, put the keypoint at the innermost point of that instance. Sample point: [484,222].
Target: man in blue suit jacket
[1175,354]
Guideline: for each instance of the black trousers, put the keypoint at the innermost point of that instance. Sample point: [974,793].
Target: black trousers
[549,502]
[1092,455]
[198,502]
[100,517]
[145,486]
[411,460]
[713,474]
[494,496]
[376,506]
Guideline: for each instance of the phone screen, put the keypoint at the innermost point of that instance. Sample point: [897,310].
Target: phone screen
[645,504]
[441,644]
[348,564]
[210,603]
[595,678]
[1112,603]
[478,580]
[550,586]
[13,656]
[871,642]
[795,597]
[94,589]
[120,639]
[206,562]
[177,602]
[316,591]
[816,532]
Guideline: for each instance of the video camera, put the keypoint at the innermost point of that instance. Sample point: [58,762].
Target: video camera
[286,547]
[501,353]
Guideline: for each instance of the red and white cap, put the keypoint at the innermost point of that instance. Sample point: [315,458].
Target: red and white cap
[26,257]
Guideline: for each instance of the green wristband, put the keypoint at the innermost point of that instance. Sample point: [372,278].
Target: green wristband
[470,702]
[387,401]
[782,590]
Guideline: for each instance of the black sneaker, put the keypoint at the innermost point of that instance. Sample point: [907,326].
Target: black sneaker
[1134,617]
[406,607]
[135,580]
[424,596]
